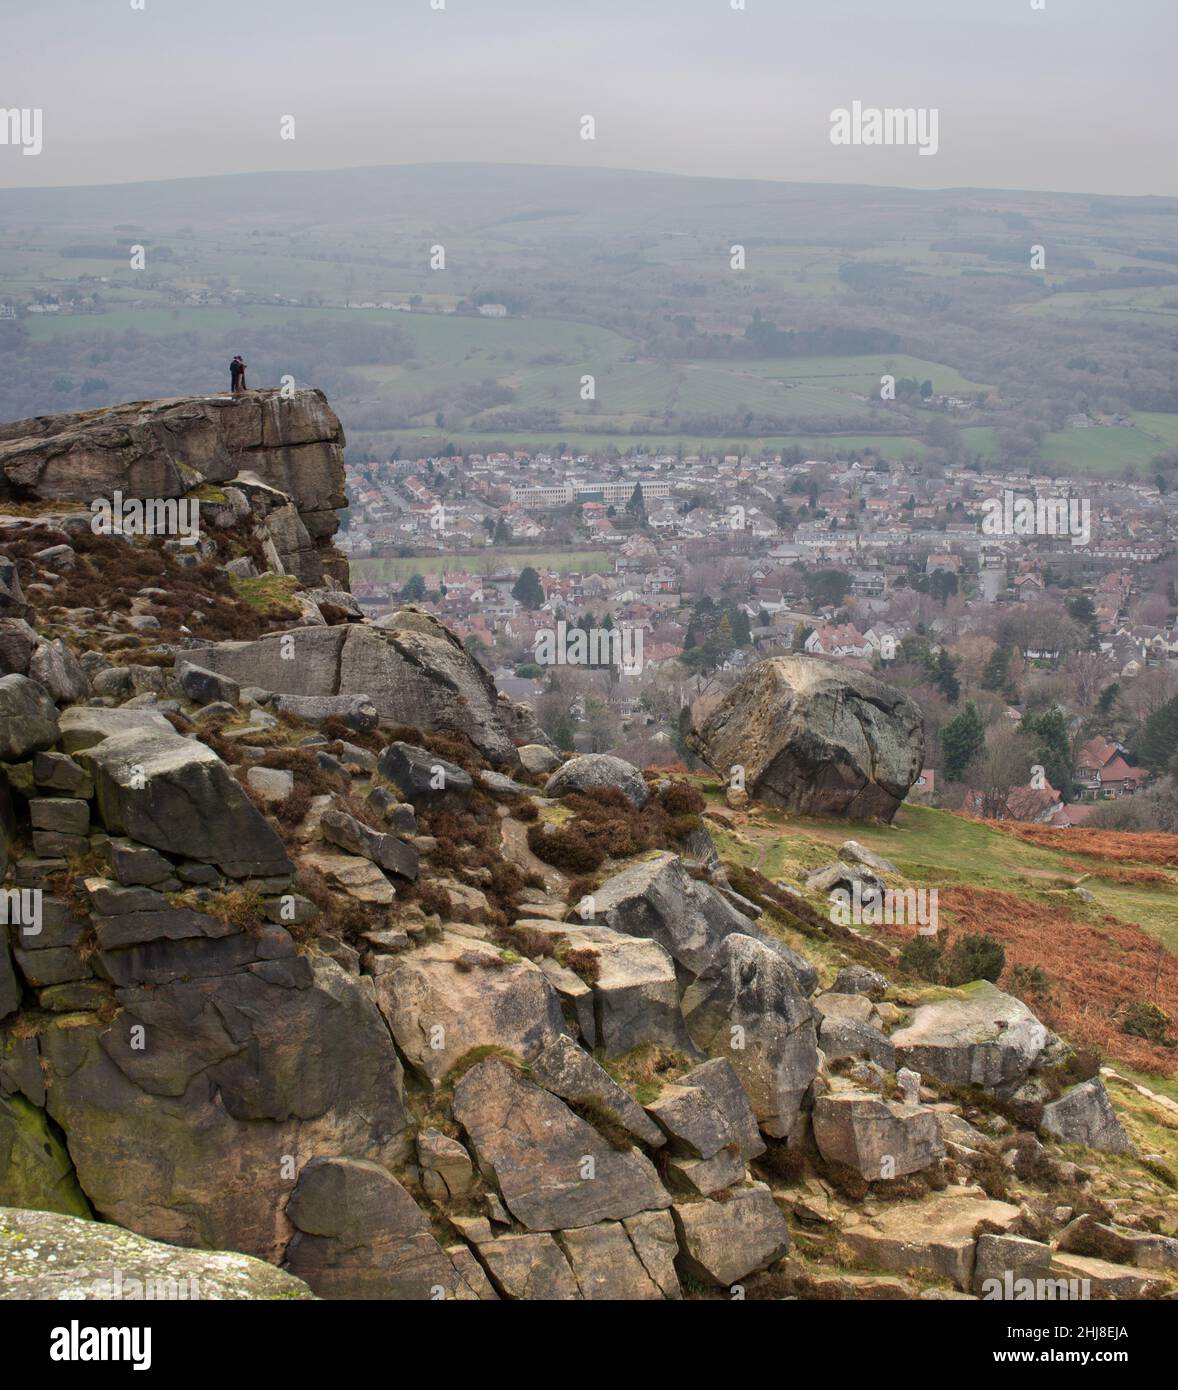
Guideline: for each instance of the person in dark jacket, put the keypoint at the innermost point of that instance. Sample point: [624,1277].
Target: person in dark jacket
[237,375]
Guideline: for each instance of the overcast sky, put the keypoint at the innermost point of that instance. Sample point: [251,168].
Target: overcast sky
[1080,95]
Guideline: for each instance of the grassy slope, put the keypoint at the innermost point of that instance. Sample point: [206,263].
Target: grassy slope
[1025,889]
[933,848]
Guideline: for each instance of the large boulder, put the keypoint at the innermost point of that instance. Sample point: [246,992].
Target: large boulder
[44,1255]
[413,670]
[28,718]
[979,1037]
[554,1170]
[815,737]
[1084,1115]
[174,794]
[747,1008]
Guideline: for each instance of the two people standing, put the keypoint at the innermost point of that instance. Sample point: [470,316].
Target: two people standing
[237,375]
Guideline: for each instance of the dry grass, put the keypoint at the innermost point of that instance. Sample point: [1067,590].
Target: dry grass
[1096,970]
[1115,846]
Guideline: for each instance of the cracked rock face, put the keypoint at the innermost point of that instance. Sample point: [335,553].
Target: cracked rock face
[411,667]
[816,738]
[164,448]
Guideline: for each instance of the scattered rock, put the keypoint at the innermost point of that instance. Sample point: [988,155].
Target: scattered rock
[593,771]
[423,778]
[1084,1115]
[390,853]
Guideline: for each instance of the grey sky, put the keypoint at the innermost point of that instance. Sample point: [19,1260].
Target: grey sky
[1078,96]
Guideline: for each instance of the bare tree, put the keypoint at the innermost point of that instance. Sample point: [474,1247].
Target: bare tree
[1003,765]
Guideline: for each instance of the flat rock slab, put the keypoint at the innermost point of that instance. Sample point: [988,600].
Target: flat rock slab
[934,1236]
[987,1039]
[47,1256]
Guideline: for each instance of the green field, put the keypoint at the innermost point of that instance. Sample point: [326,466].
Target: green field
[427,441]
[1099,450]
[397,571]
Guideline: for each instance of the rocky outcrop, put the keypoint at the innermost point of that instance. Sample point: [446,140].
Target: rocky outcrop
[815,737]
[747,1008]
[290,445]
[553,1169]
[413,670]
[658,898]
[164,790]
